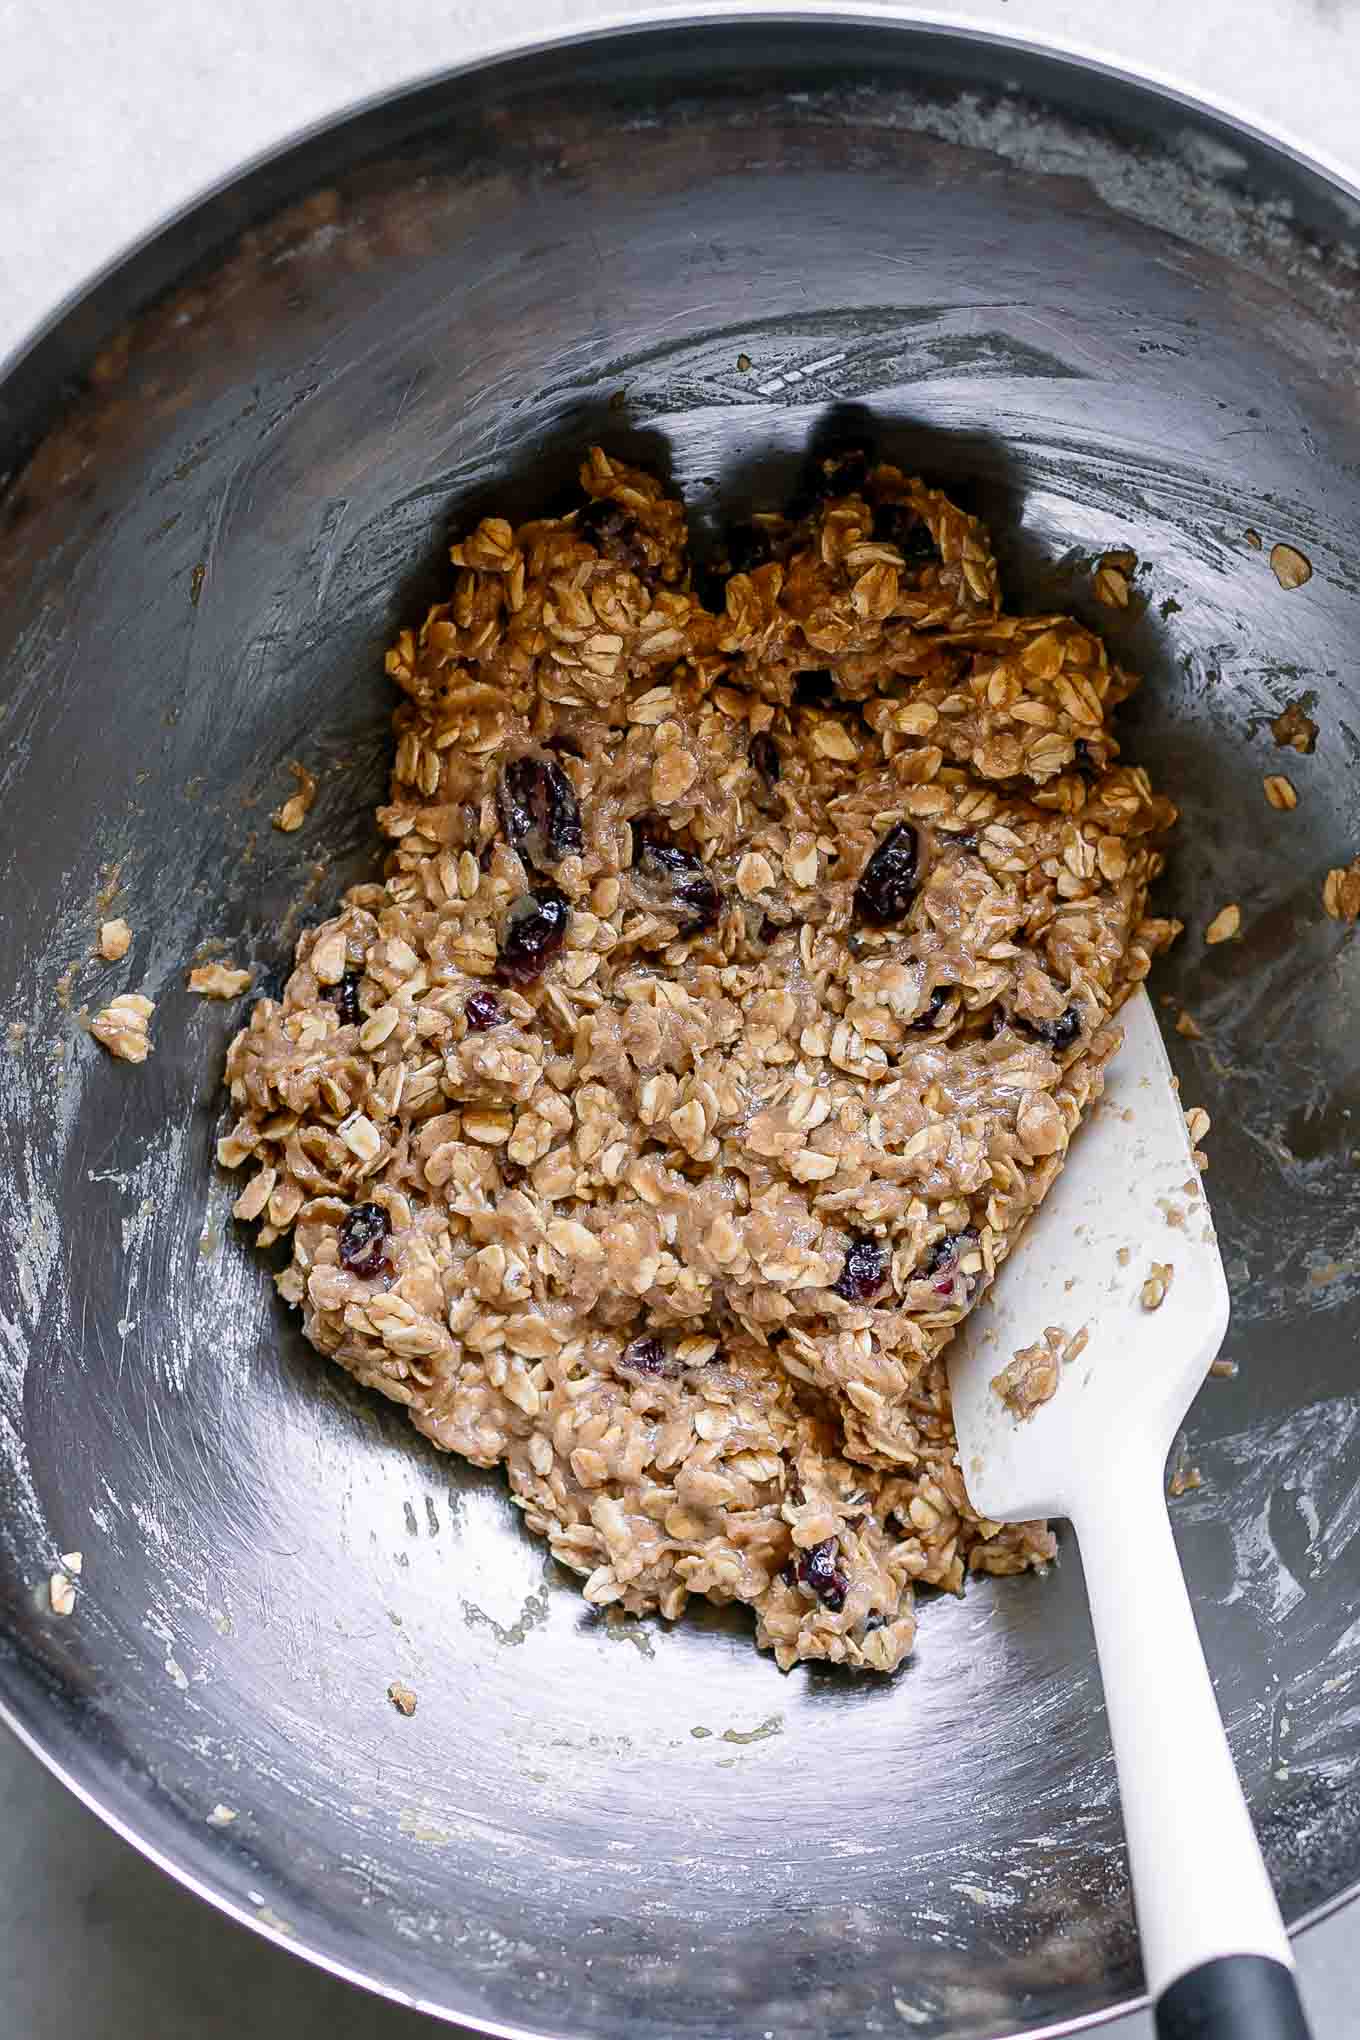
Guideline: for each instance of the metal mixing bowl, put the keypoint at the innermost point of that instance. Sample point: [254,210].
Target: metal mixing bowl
[1105,317]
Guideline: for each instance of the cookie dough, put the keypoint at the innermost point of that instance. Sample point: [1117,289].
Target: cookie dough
[747,953]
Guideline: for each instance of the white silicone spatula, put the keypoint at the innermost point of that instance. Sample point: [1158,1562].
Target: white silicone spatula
[1129,1200]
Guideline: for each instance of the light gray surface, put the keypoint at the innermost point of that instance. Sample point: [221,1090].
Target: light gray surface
[114,115]
[112,118]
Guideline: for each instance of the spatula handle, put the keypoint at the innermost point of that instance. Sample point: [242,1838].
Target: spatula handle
[1214,1946]
[1238,1997]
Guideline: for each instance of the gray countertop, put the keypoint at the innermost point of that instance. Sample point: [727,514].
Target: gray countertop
[114,117]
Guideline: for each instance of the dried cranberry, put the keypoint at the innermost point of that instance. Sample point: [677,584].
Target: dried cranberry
[887,884]
[864,1271]
[646,1356]
[841,468]
[945,1252]
[679,875]
[539,811]
[1058,1034]
[749,546]
[483,1010]
[345,997]
[935,1005]
[899,525]
[614,534]
[814,689]
[943,1261]
[818,1570]
[535,929]
[709,587]
[763,757]
[364,1232]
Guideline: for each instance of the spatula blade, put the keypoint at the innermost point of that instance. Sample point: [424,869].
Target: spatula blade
[1128,1204]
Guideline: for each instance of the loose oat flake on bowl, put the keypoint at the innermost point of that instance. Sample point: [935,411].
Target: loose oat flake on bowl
[121,1027]
[115,939]
[736,980]
[218,981]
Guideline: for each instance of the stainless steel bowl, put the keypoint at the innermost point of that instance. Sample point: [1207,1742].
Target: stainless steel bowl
[1104,316]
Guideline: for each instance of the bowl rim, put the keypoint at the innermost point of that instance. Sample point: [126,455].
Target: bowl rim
[1075,54]
[613,26]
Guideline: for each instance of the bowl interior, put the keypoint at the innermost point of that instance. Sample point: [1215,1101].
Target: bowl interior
[694,248]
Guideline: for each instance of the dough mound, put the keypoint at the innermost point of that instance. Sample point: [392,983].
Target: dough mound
[747,954]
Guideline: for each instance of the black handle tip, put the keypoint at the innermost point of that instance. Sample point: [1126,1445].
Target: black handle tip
[1236,1997]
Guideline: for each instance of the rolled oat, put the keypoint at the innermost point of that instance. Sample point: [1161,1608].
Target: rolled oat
[1030,1377]
[218,981]
[121,1027]
[1157,1281]
[1290,567]
[115,939]
[295,810]
[1341,891]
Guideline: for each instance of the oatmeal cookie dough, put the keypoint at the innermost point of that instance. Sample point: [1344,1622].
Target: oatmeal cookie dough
[738,978]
